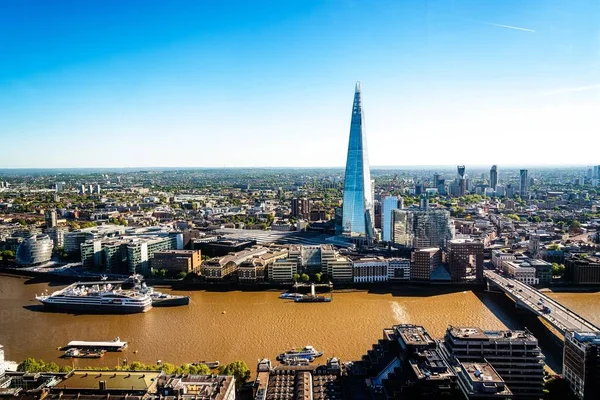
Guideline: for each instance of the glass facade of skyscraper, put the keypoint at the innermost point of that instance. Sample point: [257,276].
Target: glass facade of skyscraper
[357,210]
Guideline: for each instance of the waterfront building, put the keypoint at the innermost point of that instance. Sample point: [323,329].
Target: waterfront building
[515,355]
[370,270]
[197,387]
[521,271]
[494,177]
[481,381]
[340,270]
[465,258]
[390,203]
[34,250]
[581,363]
[423,262]
[215,247]
[582,269]
[219,268]
[420,228]
[523,184]
[357,207]
[51,219]
[254,269]
[74,239]
[499,256]
[398,269]
[57,235]
[282,270]
[543,271]
[177,260]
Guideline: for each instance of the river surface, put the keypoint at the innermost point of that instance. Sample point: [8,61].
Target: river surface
[236,325]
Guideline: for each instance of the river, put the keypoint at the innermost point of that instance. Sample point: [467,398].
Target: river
[228,326]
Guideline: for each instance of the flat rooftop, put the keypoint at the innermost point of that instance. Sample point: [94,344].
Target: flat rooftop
[414,335]
[478,333]
[481,372]
[114,380]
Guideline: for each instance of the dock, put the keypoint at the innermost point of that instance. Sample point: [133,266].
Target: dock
[112,345]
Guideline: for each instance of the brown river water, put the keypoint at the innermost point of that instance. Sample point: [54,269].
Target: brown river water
[236,325]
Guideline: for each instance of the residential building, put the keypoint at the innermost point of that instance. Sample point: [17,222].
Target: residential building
[581,363]
[494,177]
[57,234]
[523,184]
[423,262]
[465,258]
[515,355]
[50,217]
[177,260]
[420,228]
[357,208]
[300,208]
[481,381]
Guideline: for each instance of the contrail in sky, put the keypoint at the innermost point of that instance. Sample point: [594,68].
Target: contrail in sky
[510,27]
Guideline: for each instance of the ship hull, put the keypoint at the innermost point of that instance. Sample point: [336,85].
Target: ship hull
[171,301]
[95,308]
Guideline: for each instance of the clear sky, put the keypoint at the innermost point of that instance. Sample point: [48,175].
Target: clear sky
[270,83]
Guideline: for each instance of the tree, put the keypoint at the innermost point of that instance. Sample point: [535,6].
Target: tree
[296,277]
[318,276]
[514,217]
[238,369]
[558,269]
[181,275]
[554,246]
[556,388]
[305,277]
[575,227]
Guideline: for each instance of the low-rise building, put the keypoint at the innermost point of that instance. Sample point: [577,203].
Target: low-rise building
[177,260]
[369,270]
[582,269]
[398,269]
[521,271]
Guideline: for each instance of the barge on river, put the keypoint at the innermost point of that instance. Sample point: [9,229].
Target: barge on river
[113,345]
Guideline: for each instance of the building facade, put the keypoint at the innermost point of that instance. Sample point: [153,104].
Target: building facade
[419,228]
[581,363]
[357,208]
[465,258]
[390,203]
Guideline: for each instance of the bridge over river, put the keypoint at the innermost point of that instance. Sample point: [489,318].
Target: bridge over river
[525,296]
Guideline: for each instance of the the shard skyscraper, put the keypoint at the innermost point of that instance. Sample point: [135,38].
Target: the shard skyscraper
[357,210]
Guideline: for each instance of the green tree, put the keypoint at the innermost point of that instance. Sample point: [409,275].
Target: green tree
[575,227]
[558,269]
[181,275]
[318,276]
[305,277]
[199,369]
[554,246]
[238,369]
[514,217]
[296,277]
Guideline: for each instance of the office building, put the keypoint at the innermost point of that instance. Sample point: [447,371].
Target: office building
[581,363]
[515,355]
[543,271]
[214,247]
[177,260]
[219,268]
[494,177]
[254,269]
[390,203]
[357,208]
[420,228]
[34,250]
[522,271]
[465,259]
[51,219]
[370,270]
[523,184]
[582,269]
[423,262]
[300,208]
[57,235]
[398,269]
[481,381]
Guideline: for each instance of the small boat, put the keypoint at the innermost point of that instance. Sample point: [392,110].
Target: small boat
[79,353]
[307,352]
[209,364]
[168,300]
[297,361]
[309,298]
[291,296]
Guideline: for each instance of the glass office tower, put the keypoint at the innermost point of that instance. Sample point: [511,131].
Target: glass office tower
[357,210]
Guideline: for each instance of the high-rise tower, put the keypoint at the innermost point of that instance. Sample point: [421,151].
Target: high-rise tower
[523,183]
[494,177]
[357,210]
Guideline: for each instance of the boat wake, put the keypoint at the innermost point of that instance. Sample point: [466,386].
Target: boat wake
[399,313]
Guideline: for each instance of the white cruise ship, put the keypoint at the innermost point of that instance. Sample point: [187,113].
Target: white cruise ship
[98,297]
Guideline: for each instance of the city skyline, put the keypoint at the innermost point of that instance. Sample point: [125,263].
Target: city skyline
[107,84]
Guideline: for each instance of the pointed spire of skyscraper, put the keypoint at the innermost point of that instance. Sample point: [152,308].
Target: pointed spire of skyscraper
[357,210]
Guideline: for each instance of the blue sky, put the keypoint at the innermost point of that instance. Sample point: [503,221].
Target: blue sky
[270,83]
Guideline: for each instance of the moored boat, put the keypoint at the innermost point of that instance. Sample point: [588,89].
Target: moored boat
[306,352]
[309,298]
[168,300]
[209,364]
[81,353]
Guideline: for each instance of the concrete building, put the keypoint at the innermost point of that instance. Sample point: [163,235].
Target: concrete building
[581,363]
[515,355]
[370,270]
[57,235]
[494,177]
[282,270]
[398,269]
[255,269]
[219,268]
[479,380]
[521,271]
[340,270]
[197,387]
[300,208]
[177,260]
[423,262]
[420,228]
[465,258]
[51,219]
[499,256]
[543,271]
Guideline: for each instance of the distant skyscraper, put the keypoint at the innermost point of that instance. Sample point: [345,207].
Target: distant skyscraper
[51,219]
[390,203]
[493,177]
[357,214]
[523,183]
[461,171]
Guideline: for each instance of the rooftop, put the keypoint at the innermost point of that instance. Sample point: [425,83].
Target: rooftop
[478,333]
[114,380]
[413,334]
